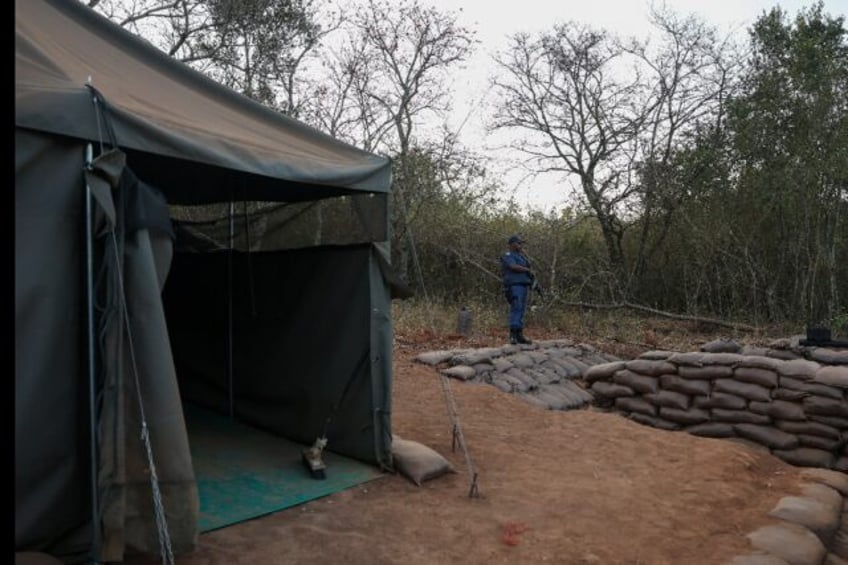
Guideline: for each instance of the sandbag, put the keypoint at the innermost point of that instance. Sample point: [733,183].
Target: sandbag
[637,405]
[651,368]
[721,359]
[417,462]
[639,383]
[435,357]
[610,390]
[757,376]
[542,375]
[759,362]
[745,390]
[812,387]
[520,359]
[825,406]
[805,457]
[766,435]
[572,369]
[475,356]
[798,368]
[788,394]
[686,386]
[583,367]
[820,518]
[529,383]
[779,409]
[709,372]
[833,421]
[533,399]
[829,356]
[828,444]
[782,354]
[794,543]
[738,416]
[657,354]
[669,398]
[686,417]
[712,429]
[836,481]
[689,359]
[720,400]
[653,422]
[832,376]
[461,372]
[809,428]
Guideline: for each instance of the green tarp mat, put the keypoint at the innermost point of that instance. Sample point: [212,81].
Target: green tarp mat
[244,473]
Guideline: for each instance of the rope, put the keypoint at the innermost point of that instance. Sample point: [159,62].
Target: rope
[458,436]
[415,262]
[453,413]
[164,537]
[165,549]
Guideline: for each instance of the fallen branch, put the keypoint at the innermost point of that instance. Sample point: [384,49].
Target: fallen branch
[654,311]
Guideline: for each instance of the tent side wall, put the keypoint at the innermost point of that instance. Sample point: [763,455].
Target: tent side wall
[303,360]
[52,463]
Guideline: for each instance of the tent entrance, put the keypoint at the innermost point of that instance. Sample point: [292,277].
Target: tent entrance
[244,473]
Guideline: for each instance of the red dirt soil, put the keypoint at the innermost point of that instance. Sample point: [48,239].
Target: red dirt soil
[574,487]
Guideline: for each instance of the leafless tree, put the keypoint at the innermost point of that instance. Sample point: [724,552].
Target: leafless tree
[561,92]
[610,114]
[258,47]
[388,77]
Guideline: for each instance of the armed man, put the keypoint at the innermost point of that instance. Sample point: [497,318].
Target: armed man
[518,278]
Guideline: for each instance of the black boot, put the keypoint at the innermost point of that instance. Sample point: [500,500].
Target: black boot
[520,337]
[513,336]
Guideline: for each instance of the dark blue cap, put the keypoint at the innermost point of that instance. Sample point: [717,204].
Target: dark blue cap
[515,239]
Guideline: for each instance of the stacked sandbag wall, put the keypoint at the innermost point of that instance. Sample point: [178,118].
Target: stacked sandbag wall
[545,374]
[810,528]
[797,408]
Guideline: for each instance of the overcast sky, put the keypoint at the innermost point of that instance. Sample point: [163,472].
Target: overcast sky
[494,20]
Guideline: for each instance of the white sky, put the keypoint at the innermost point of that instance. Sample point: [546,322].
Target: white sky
[494,20]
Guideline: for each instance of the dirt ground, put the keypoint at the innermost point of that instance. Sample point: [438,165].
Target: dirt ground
[554,487]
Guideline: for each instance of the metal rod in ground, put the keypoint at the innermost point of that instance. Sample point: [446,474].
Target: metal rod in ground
[458,436]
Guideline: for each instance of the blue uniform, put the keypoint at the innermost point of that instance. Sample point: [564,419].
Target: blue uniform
[516,287]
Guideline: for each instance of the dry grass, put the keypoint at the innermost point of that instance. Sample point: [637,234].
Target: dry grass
[620,332]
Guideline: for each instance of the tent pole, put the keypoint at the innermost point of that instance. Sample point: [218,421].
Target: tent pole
[92,390]
[230,312]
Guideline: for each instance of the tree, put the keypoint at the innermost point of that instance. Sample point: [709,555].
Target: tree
[610,113]
[691,72]
[790,128]
[560,89]
[256,47]
[395,70]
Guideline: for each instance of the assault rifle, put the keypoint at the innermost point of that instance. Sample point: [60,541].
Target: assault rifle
[535,286]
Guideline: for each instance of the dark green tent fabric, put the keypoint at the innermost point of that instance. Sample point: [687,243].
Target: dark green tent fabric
[201,129]
[311,327]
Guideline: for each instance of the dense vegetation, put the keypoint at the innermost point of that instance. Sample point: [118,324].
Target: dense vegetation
[707,177]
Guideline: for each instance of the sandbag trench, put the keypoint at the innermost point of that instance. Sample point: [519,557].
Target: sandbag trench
[810,529]
[789,399]
[545,373]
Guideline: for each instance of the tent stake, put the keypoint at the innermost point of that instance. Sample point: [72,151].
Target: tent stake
[92,391]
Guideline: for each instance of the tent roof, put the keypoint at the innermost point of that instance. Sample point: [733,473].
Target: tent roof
[162,108]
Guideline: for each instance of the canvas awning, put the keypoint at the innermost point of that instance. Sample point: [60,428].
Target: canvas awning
[197,129]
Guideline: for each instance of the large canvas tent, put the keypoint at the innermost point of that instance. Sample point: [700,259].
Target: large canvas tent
[174,242]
